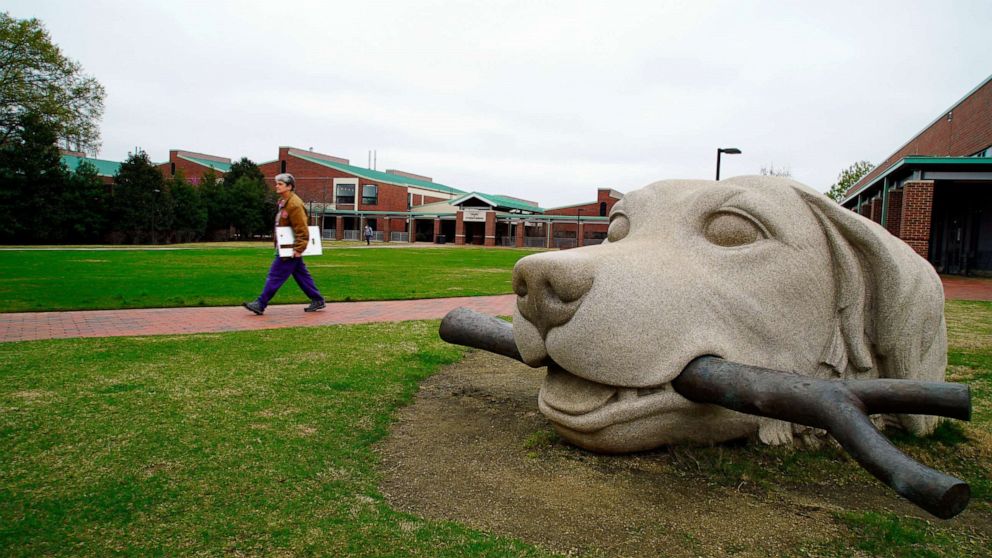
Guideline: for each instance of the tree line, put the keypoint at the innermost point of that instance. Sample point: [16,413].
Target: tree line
[46,100]
[43,201]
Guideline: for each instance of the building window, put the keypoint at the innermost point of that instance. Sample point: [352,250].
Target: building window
[282,166]
[370,194]
[345,194]
[602,209]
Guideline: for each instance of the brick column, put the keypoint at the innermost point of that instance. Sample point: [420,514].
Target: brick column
[917,209]
[521,231]
[460,228]
[578,234]
[490,239]
[437,229]
[339,228]
[413,230]
[875,212]
[385,229]
[893,216]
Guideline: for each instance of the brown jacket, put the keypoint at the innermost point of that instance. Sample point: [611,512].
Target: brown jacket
[294,214]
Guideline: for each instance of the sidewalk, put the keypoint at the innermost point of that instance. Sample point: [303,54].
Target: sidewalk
[169,321]
[966,288]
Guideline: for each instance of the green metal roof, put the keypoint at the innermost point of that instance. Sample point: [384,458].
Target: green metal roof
[379,176]
[103,168]
[498,201]
[918,162]
[441,207]
[216,165]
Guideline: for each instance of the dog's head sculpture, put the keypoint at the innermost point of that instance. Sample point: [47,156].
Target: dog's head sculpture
[758,270]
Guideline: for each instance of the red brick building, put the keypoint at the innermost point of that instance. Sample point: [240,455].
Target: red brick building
[405,207]
[194,165]
[935,191]
[582,224]
[401,206]
[343,198]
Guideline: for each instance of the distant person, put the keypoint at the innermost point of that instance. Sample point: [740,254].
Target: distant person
[368,235]
[292,213]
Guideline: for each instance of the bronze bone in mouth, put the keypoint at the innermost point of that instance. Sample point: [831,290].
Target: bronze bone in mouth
[841,407]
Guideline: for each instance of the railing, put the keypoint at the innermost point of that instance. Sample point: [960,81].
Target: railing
[564,243]
[350,235]
[328,234]
[504,241]
[536,241]
[399,237]
[591,241]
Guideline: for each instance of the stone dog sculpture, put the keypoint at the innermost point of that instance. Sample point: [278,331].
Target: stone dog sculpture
[722,310]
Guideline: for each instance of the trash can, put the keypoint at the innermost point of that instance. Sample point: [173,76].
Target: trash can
[439,239]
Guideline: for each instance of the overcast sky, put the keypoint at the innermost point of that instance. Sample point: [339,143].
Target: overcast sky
[544,100]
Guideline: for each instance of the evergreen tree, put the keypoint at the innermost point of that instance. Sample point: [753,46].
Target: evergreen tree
[250,203]
[245,168]
[214,197]
[86,206]
[32,179]
[142,206]
[190,213]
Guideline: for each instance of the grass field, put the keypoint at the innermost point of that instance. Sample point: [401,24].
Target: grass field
[254,443]
[40,280]
[261,443]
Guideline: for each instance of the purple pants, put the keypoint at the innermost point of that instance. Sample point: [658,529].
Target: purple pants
[281,269]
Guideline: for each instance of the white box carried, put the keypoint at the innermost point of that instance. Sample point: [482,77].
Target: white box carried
[285,238]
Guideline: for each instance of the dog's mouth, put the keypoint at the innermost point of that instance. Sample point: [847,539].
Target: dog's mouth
[586,406]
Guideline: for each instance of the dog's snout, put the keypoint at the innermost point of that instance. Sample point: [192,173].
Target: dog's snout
[550,287]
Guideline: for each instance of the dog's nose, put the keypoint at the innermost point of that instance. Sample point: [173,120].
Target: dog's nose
[550,287]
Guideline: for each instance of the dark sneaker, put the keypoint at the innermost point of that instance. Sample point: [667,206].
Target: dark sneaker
[254,306]
[315,305]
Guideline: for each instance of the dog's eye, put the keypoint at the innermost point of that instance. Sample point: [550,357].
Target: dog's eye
[732,229]
[619,227]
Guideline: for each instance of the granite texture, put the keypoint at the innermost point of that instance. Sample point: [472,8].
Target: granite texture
[759,270]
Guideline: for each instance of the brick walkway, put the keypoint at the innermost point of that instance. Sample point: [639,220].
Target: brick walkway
[967,288]
[164,321]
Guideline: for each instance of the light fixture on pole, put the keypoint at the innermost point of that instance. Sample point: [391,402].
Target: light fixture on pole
[728,151]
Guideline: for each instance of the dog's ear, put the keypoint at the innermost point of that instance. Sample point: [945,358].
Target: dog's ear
[890,303]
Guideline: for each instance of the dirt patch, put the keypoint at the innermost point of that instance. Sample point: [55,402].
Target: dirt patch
[474,449]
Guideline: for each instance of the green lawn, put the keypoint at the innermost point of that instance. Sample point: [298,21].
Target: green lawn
[253,443]
[40,280]
[261,443]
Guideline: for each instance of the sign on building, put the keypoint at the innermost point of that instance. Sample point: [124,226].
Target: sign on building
[474,215]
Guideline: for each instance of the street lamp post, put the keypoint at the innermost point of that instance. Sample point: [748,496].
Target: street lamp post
[728,151]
